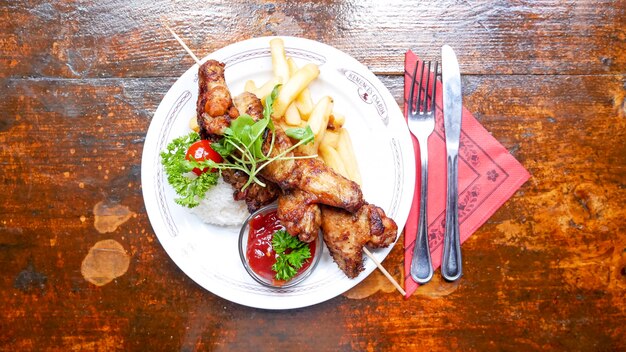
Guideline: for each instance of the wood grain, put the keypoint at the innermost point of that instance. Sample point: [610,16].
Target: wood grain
[122,39]
[81,81]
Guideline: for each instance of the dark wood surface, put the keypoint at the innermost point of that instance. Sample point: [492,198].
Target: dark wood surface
[80,82]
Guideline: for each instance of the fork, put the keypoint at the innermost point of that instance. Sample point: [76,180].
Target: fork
[421,121]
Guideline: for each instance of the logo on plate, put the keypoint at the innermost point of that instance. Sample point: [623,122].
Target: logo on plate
[368,93]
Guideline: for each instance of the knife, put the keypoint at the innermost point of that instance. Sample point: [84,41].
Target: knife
[451,266]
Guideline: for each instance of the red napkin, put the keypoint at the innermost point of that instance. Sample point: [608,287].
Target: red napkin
[488,176]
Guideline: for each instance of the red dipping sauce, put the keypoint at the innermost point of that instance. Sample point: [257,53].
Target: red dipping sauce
[260,254]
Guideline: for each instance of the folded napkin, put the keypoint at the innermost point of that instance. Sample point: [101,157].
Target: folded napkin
[488,176]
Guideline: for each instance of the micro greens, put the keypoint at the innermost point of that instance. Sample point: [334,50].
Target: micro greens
[241,148]
[242,145]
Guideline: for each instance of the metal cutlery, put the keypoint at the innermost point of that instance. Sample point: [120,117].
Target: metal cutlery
[451,264]
[421,121]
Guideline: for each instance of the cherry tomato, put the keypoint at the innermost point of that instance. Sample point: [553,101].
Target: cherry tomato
[200,151]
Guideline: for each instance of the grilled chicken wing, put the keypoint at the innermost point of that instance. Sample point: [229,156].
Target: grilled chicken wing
[254,195]
[312,176]
[345,234]
[300,215]
[247,103]
[328,186]
[307,183]
[347,221]
[214,108]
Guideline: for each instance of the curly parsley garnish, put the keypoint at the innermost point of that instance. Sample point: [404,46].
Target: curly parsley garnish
[291,254]
[190,188]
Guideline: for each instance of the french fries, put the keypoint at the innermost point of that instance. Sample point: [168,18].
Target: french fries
[305,103]
[263,91]
[332,158]
[294,107]
[346,151]
[303,100]
[293,67]
[331,139]
[290,90]
[319,117]
[292,115]
[193,124]
[279,60]
[337,119]
[250,87]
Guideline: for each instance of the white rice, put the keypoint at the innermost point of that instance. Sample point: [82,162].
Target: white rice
[219,208]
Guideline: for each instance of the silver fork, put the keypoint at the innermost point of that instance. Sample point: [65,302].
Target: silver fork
[421,121]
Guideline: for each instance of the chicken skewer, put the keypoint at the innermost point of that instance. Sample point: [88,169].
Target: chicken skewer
[306,182]
[367,219]
[300,214]
[312,176]
[347,234]
[214,111]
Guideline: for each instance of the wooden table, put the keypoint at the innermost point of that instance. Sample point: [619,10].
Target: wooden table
[80,82]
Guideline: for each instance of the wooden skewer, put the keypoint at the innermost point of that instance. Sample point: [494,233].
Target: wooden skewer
[182,43]
[384,271]
[367,252]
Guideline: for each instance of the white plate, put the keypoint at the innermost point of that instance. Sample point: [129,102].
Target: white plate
[208,254]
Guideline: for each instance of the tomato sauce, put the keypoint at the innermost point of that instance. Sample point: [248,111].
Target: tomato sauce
[260,253]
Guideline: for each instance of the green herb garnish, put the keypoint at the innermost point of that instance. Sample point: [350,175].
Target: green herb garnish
[190,188]
[242,145]
[241,148]
[292,254]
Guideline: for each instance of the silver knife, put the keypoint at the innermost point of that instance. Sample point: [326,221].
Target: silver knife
[451,266]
